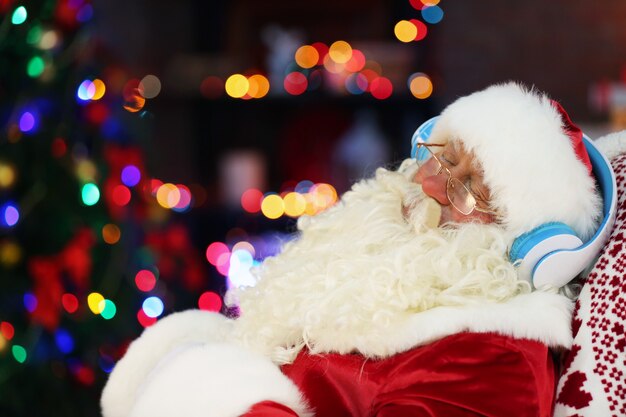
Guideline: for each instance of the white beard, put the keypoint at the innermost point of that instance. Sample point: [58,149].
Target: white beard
[363,267]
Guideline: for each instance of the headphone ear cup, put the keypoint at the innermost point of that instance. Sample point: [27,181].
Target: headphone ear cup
[536,245]
[422,135]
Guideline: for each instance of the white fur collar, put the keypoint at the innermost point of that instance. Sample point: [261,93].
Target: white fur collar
[537,316]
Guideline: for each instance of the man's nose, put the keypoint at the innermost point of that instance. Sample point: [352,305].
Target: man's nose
[435,187]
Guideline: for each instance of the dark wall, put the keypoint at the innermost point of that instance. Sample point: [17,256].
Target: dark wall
[560,46]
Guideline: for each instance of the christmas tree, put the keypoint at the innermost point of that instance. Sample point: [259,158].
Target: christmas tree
[87,238]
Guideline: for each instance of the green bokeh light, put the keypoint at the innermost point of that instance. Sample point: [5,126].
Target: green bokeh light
[34,35]
[109,310]
[19,353]
[35,67]
[90,194]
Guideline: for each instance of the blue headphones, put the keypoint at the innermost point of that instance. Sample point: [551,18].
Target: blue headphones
[551,255]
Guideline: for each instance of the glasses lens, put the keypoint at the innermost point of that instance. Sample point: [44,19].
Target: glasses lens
[460,197]
[427,155]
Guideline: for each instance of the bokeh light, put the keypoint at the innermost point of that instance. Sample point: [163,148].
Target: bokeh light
[259,86]
[322,51]
[145,280]
[422,29]
[251,200]
[223,263]
[49,39]
[30,302]
[210,301]
[340,52]
[381,88]
[356,62]
[307,56]
[243,245]
[332,66]
[19,15]
[295,204]
[168,195]
[86,90]
[19,353]
[133,102]
[58,147]
[100,89]
[35,67]
[94,302]
[121,195]
[405,31]
[295,83]
[153,307]
[212,87]
[131,175]
[90,194]
[149,86]
[184,201]
[64,341]
[272,206]
[9,214]
[303,186]
[86,170]
[107,308]
[432,14]
[420,85]
[111,234]
[7,330]
[214,251]
[356,83]
[7,175]
[69,302]
[239,274]
[28,122]
[325,194]
[10,253]
[237,86]
[144,320]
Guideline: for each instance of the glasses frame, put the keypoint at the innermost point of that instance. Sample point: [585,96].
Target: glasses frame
[452,183]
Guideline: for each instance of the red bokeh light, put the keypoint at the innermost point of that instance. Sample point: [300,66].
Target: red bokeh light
[417,4]
[295,83]
[422,29]
[58,147]
[121,195]
[322,50]
[145,280]
[7,330]
[381,88]
[214,251]
[356,62]
[251,200]
[70,303]
[210,301]
[144,320]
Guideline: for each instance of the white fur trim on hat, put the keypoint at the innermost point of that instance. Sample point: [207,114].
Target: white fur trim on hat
[529,163]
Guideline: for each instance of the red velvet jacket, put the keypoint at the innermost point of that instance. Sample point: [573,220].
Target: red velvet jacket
[467,374]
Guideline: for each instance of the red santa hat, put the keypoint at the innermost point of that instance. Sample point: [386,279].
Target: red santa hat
[533,157]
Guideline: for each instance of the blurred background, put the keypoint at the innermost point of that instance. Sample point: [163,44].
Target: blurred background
[152,152]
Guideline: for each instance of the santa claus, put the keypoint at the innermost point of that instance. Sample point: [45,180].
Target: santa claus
[403,299]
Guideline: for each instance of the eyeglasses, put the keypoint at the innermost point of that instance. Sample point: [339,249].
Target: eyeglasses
[459,195]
